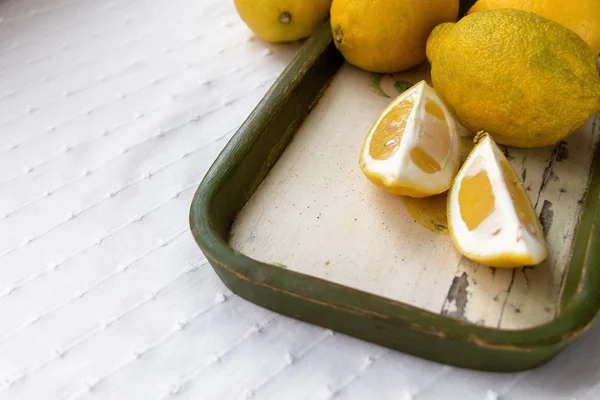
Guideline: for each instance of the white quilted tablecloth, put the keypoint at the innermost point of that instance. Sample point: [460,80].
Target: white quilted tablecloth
[111,111]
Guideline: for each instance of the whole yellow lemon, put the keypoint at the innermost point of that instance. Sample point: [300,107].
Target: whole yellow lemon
[525,79]
[581,16]
[282,20]
[387,36]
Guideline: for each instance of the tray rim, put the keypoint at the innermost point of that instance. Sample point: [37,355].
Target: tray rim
[436,337]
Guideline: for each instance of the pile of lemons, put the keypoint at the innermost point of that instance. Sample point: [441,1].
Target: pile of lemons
[520,72]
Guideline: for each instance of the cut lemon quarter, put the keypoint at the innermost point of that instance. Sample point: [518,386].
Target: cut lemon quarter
[490,217]
[413,147]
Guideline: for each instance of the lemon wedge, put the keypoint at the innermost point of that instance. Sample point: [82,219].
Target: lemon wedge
[490,217]
[413,147]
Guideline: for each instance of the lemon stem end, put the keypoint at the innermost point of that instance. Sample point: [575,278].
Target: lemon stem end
[285,18]
[480,135]
[338,34]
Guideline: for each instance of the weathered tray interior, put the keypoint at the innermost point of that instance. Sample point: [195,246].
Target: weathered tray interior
[317,214]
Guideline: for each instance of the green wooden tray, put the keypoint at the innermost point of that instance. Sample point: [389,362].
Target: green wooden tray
[246,161]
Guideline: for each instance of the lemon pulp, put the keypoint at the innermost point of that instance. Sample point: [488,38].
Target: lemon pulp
[386,139]
[476,199]
[435,140]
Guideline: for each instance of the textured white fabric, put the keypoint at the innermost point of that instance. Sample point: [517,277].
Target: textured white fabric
[110,114]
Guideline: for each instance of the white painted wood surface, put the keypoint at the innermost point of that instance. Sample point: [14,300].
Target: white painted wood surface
[110,114]
[316,213]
